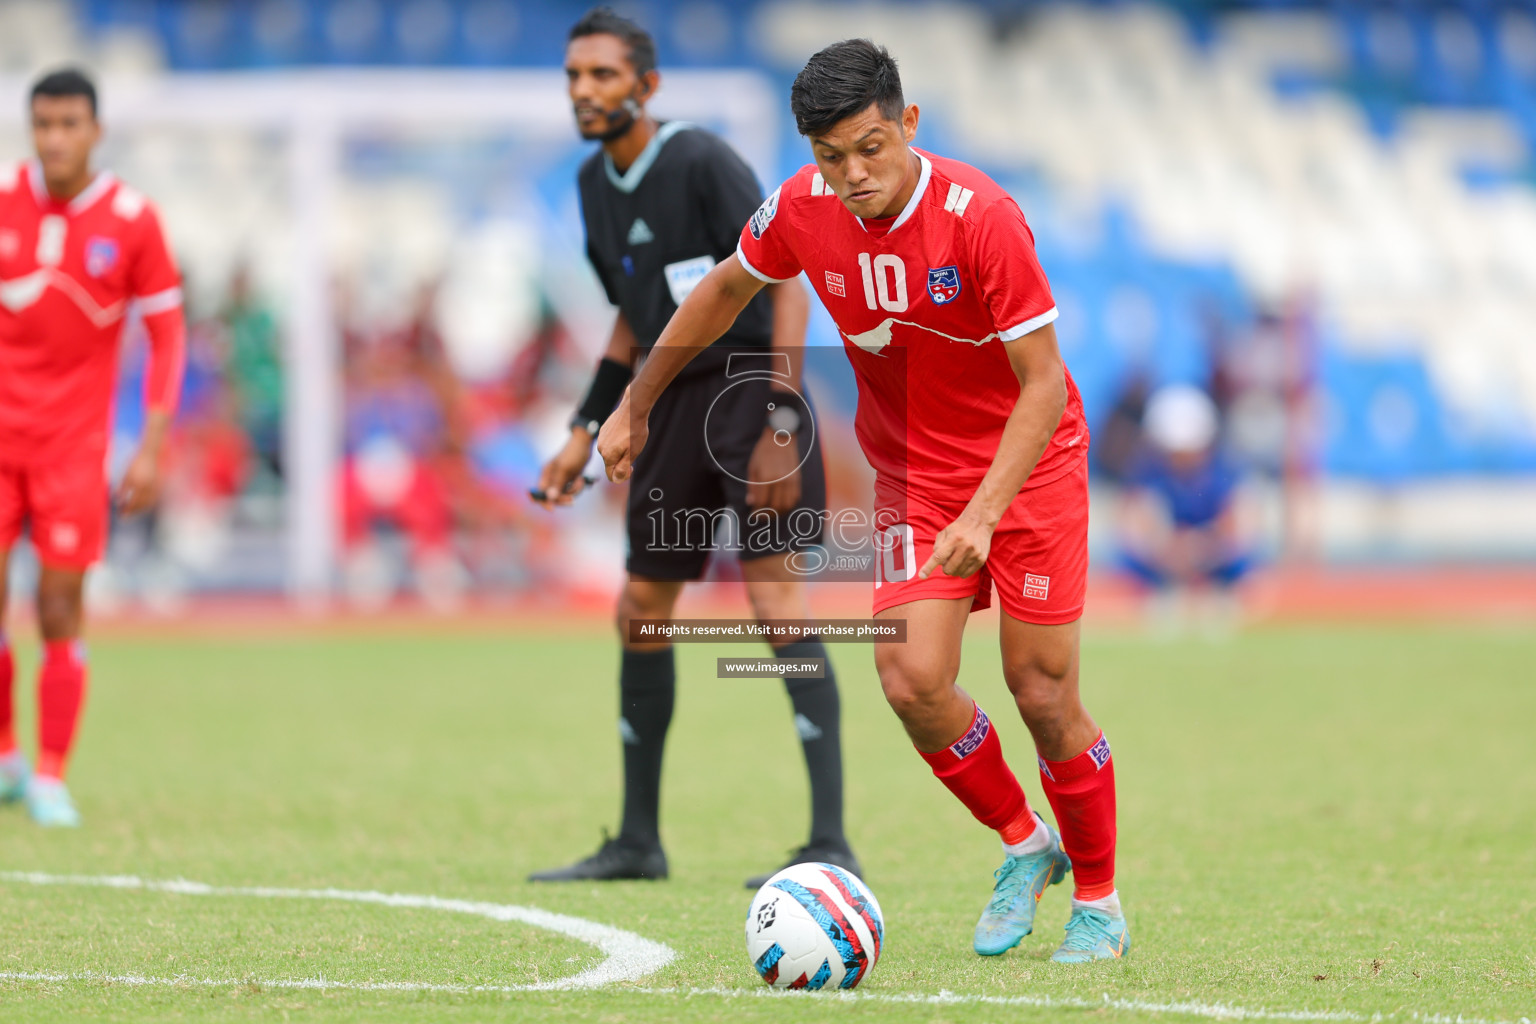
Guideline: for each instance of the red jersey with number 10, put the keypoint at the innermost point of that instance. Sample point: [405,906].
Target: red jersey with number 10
[924,310]
[69,273]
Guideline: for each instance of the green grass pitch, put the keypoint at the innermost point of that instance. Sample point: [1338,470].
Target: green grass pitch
[1312,819]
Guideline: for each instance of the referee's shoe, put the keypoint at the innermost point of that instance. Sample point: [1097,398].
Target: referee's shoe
[834,853]
[617,859]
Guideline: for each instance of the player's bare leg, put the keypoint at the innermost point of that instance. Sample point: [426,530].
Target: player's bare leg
[956,738]
[918,677]
[14,770]
[647,679]
[60,692]
[60,603]
[778,592]
[1040,664]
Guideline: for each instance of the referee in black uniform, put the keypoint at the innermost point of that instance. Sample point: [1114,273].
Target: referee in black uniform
[662,203]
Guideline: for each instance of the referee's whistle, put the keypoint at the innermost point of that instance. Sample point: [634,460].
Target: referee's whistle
[539,494]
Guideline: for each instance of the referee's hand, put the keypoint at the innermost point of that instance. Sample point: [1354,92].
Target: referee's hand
[561,479]
[621,440]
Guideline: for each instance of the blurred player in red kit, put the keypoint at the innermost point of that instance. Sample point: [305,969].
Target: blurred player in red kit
[79,252]
[976,434]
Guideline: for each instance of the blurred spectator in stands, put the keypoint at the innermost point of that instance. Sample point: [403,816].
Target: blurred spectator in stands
[403,437]
[254,370]
[1184,533]
[1117,441]
[423,347]
[512,415]
[543,364]
[208,464]
[155,557]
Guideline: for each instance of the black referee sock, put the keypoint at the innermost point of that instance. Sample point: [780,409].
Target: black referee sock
[818,720]
[646,693]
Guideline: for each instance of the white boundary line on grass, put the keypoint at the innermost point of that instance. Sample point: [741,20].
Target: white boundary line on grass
[628,956]
[631,957]
[1188,1008]
[1211,1011]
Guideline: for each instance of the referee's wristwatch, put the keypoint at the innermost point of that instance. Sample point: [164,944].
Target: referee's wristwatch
[590,426]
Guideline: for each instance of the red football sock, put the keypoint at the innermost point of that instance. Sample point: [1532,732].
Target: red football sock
[974,770]
[1082,793]
[7,703]
[60,694]
[1020,828]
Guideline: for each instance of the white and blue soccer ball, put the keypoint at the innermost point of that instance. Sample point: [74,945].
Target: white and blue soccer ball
[814,926]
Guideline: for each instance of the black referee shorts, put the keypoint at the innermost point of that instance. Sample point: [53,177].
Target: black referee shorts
[688,494]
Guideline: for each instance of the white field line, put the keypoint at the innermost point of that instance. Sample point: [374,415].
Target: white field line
[1188,1008]
[190,981]
[631,957]
[628,956]
[1209,1011]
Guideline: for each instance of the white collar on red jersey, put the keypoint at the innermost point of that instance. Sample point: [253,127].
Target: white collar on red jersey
[99,186]
[35,176]
[917,195]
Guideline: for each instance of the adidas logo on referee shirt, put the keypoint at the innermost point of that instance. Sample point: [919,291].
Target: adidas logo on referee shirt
[640,232]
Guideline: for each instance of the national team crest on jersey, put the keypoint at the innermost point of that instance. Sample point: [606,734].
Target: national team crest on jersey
[100,256]
[943,284]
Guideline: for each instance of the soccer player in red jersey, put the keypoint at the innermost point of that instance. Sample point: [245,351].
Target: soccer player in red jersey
[79,251]
[976,433]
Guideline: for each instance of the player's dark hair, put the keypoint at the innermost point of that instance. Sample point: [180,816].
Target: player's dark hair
[843,80]
[603,21]
[66,82]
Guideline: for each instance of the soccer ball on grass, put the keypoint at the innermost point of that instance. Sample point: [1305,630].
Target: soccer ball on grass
[814,926]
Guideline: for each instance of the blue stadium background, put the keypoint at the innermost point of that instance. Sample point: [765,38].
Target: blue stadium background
[478,33]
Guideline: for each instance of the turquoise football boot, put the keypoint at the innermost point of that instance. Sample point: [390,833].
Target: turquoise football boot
[49,804]
[1093,935]
[1020,882]
[14,773]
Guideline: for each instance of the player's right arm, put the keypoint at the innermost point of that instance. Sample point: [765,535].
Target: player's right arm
[707,313]
[156,284]
[561,479]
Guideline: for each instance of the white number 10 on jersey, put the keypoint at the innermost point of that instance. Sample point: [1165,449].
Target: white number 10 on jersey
[885,279]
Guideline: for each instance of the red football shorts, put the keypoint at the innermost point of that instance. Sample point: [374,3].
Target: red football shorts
[1038,559]
[65,503]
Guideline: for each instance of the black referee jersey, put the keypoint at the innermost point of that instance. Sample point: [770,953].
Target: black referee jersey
[654,231]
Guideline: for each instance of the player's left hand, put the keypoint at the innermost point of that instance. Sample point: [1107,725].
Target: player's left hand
[139,489]
[961,548]
[773,473]
[621,440]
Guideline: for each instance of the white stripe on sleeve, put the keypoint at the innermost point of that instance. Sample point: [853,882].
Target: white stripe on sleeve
[160,302]
[742,257]
[1029,326]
